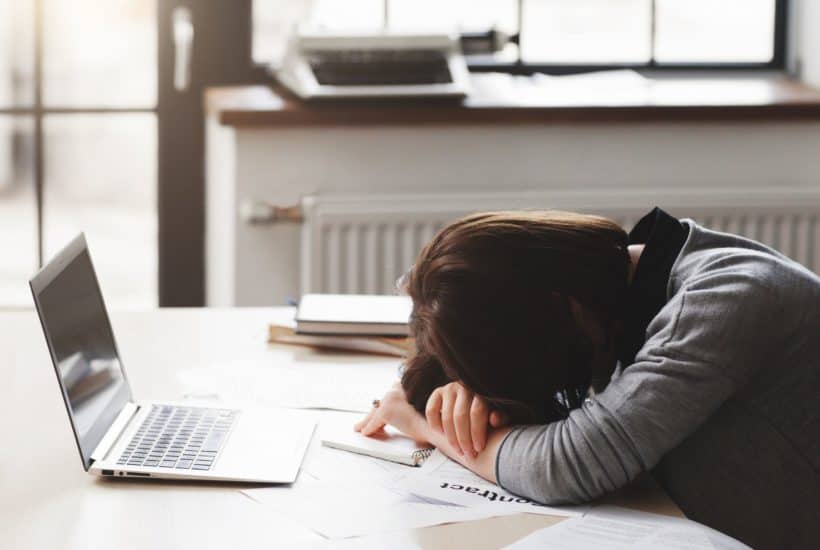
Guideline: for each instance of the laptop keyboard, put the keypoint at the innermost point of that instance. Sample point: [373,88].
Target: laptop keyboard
[380,67]
[179,438]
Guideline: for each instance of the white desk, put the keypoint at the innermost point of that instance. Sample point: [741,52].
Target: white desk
[49,502]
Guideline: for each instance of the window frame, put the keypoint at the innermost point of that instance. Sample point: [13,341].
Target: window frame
[480,64]
[520,67]
[37,111]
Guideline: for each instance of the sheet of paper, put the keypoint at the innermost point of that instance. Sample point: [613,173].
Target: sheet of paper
[304,385]
[339,511]
[594,89]
[443,479]
[377,542]
[341,494]
[336,466]
[614,528]
[328,465]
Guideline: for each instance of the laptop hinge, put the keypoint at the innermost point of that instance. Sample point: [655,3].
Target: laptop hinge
[116,429]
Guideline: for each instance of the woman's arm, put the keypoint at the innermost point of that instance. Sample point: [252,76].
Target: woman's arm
[394,409]
[482,463]
[704,345]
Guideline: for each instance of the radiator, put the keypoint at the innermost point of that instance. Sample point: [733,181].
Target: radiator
[362,244]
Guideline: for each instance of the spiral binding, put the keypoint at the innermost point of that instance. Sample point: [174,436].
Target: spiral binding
[421,455]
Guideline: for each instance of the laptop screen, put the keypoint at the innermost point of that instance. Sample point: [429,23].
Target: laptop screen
[82,346]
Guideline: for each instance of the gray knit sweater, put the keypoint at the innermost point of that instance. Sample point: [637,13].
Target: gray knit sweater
[722,403]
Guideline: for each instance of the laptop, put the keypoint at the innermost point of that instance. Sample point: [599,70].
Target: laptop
[120,437]
[319,64]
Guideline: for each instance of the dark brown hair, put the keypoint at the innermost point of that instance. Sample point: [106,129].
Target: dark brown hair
[502,302]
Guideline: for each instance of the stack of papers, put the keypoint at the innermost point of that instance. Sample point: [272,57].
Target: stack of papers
[341,494]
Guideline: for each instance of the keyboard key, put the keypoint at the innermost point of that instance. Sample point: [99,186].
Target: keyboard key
[167,463]
[213,442]
[183,464]
[195,467]
[151,462]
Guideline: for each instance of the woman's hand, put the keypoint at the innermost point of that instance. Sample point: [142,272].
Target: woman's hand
[394,409]
[463,417]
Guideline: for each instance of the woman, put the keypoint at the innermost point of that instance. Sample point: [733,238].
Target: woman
[560,357]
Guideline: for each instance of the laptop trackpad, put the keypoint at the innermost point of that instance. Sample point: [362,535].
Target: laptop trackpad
[266,445]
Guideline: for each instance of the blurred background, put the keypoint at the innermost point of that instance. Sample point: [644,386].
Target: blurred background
[85,91]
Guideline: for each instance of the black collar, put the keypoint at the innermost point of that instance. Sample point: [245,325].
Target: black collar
[663,237]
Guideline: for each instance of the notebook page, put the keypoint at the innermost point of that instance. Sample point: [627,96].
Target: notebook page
[391,445]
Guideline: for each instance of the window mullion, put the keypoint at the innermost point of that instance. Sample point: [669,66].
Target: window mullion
[38,125]
[652,31]
[519,60]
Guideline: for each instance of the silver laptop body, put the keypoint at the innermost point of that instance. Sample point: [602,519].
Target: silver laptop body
[120,437]
[319,64]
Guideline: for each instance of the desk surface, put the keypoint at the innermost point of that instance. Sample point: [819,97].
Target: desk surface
[49,502]
[503,99]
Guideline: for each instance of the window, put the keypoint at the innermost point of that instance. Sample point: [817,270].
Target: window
[78,142]
[561,35]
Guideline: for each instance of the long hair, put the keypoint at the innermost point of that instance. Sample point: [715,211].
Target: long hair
[496,300]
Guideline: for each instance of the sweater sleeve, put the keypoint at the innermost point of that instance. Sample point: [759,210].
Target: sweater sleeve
[705,343]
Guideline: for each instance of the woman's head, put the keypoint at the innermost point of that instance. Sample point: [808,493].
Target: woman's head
[517,306]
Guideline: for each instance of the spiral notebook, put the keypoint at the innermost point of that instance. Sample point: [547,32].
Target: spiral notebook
[391,445]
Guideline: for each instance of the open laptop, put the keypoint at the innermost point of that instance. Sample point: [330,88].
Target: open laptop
[118,436]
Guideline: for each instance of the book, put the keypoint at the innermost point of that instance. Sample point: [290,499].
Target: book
[389,445]
[397,346]
[358,314]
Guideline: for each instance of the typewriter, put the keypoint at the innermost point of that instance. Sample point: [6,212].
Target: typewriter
[324,65]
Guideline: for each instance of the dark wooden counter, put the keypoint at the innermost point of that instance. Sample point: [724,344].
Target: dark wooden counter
[502,99]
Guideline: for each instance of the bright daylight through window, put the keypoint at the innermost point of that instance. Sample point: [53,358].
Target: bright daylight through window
[78,137]
[95,104]
[555,32]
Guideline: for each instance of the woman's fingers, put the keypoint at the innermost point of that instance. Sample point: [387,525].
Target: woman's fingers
[374,424]
[371,423]
[373,427]
[432,410]
[447,404]
[479,418]
[499,419]
[463,417]
[461,420]
[363,422]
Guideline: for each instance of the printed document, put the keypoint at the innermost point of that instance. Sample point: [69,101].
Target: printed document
[337,511]
[615,528]
[445,480]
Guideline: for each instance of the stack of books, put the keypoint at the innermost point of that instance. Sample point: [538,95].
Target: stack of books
[351,322]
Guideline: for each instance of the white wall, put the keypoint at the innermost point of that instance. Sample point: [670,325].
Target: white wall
[806,21]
